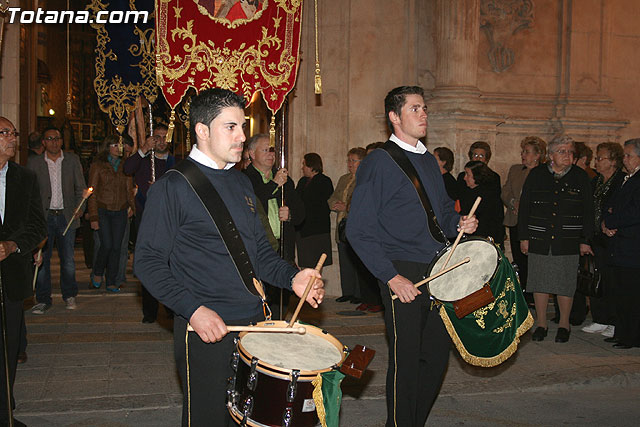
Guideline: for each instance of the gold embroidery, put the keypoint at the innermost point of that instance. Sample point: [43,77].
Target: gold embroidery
[225,67]
[114,97]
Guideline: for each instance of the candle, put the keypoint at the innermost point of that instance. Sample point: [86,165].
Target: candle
[85,195]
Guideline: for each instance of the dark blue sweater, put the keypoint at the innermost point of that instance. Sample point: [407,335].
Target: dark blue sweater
[181,259]
[387,221]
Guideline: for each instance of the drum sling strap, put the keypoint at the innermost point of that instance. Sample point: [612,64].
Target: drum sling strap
[217,210]
[400,157]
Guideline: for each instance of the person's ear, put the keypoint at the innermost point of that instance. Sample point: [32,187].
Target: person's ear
[394,118]
[202,131]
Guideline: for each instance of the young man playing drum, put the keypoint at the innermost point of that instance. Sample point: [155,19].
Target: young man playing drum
[183,261]
[390,232]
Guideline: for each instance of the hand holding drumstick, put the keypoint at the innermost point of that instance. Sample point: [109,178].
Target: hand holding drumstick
[313,292]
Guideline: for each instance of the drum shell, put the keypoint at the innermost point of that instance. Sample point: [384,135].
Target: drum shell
[270,394]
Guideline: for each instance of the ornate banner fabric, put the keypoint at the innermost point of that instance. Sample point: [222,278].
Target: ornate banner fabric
[490,335]
[241,45]
[124,59]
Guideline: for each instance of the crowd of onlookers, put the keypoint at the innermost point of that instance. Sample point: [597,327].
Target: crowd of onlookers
[555,207]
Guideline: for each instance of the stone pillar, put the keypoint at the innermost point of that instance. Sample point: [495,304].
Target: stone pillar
[457,32]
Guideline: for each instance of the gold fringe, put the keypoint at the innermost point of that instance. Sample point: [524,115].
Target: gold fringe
[485,362]
[272,131]
[171,126]
[318,400]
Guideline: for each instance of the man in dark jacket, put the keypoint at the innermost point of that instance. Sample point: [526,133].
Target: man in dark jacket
[22,227]
[268,183]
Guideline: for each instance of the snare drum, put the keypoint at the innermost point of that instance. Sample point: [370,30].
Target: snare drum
[273,372]
[468,278]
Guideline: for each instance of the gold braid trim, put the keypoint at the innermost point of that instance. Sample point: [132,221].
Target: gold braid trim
[318,400]
[485,362]
[186,348]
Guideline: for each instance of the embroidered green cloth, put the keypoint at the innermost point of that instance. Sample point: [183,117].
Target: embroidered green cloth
[327,396]
[490,335]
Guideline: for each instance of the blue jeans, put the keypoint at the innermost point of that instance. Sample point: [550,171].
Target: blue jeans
[55,226]
[112,226]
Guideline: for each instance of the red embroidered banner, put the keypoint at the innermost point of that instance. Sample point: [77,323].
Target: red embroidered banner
[241,45]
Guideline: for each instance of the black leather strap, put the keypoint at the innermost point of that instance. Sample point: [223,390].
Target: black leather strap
[221,218]
[401,159]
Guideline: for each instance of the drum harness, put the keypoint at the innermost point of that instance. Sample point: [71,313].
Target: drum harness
[222,220]
[400,158]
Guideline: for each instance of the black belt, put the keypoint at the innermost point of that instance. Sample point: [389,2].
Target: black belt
[56,212]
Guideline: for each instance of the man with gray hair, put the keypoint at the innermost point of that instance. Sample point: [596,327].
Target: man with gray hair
[268,183]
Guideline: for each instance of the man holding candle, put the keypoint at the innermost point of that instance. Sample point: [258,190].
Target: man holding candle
[62,186]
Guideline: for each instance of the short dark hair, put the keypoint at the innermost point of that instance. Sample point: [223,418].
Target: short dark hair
[480,171]
[160,126]
[482,145]
[359,152]
[582,151]
[35,140]
[208,104]
[51,127]
[396,98]
[616,153]
[374,145]
[314,161]
[446,156]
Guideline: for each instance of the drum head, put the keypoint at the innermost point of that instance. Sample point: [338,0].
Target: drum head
[308,352]
[468,278]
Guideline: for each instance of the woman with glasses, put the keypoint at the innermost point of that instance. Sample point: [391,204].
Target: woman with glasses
[533,153]
[555,224]
[109,207]
[608,163]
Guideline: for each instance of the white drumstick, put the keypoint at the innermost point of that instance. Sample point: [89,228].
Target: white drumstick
[438,274]
[455,244]
[299,330]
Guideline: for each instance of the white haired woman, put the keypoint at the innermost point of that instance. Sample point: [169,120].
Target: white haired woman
[555,222]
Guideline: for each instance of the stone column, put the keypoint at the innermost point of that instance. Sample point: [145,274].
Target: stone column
[457,32]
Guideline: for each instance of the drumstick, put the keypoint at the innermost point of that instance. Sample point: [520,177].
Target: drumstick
[461,232]
[35,272]
[440,273]
[323,257]
[299,330]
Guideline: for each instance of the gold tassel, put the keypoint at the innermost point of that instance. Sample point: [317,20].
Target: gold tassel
[272,131]
[318,78]
[171,126]
[120,144]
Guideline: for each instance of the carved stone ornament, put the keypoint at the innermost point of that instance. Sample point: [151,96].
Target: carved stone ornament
[500,19]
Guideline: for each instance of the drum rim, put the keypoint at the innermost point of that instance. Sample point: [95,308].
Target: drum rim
[236,414]
[285,373]
[446,249]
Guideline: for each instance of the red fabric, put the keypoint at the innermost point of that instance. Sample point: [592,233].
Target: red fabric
[196,49]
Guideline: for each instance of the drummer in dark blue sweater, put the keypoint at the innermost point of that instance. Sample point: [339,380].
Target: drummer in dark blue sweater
[388,229]
[182,260]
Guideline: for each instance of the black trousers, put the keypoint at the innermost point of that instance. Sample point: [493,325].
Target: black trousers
[603,309]
[627,295]
[205,388]
[15,321]
[418,353]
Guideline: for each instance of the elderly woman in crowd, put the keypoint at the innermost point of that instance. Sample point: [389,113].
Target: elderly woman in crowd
[555,222]
[109,207]
[480,151]
[621,222]
[490,213]
[534,151]
[609,179]
[314,233]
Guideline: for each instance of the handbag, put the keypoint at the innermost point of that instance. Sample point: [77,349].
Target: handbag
[589,278]
[342,230]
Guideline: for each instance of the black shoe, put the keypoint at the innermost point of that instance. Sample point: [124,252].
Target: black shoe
[539,333]
[621,346]
[611,339]
[356,300]
[563,335]
[344,298]
[22,357]
[148,319]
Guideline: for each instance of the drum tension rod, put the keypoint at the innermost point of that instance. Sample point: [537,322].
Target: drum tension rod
[293,386]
